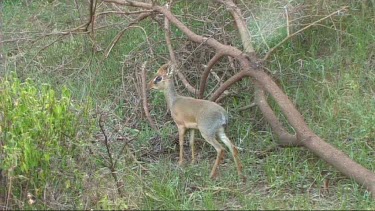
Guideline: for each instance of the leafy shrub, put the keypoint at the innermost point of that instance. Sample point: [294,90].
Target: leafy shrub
[40,136]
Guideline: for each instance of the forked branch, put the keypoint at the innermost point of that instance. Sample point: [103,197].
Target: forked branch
[112,162]
[285,138]
[121,33]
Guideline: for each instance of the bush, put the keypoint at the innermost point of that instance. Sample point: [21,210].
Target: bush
[40,136]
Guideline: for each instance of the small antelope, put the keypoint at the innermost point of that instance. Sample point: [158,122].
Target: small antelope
[189,113]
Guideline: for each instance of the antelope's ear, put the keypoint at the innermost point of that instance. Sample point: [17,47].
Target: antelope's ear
[171,68]
[163,70]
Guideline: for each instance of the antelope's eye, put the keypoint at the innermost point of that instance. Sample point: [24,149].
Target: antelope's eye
[157,79]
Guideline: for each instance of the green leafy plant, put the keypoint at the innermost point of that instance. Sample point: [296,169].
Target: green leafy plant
[38,134]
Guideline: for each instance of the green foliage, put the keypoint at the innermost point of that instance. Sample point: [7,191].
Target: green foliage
[39,134]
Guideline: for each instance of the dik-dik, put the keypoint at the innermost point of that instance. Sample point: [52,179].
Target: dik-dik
[189,113]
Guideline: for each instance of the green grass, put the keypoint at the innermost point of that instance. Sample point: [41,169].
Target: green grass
[327,72]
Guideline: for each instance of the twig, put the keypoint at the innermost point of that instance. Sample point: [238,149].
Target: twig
[92,9]
[111,166]
[241,25]
[247,107]
[130,3]
[260,31]
[287,20]
[123,12]
[42,49]
[119,35]
[299,31]
[144,97]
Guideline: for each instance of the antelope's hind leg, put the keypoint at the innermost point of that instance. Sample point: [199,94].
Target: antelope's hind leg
[233,149]
[192,146]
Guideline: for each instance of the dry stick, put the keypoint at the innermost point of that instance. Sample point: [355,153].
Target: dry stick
[123,13]
[241,25]
[287,20]
[310,140]
[10,184]
[243,108]
[119,35]
[299,31]
[111,166]
[229,82]
[122,150]
[130,3]
[144,97]
[92,9]
[42,49]
[210,64]
[172,55]
[93,19]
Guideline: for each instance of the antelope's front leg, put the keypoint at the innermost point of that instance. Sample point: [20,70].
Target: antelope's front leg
[181,133]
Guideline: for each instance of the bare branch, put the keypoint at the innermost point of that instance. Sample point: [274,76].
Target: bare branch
[111,165]
[285,139]
[172,55]
[229,82]
[130,3]
[206,72]
[92,8]
[123,12]
[121,33]
[287,20]
[144,96]
[243,108]
[168,39]
[241,25]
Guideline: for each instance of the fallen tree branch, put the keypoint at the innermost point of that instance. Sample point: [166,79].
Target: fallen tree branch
[284,138]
